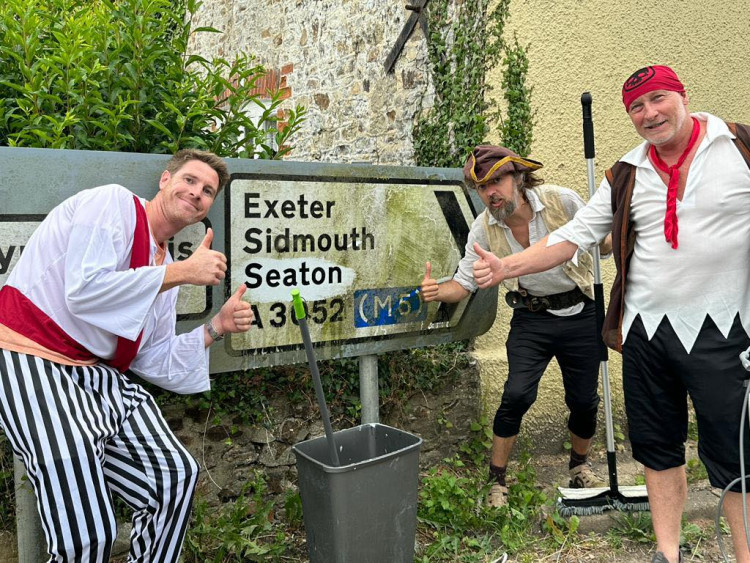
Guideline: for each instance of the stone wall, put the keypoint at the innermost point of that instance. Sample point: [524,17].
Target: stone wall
[329,56]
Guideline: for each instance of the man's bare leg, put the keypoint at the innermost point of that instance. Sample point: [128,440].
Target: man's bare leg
[733,512]
[580,445]
[667,493]
[501,448]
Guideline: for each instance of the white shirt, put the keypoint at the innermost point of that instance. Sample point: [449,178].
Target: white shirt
[709,272]
[75,268]
[544,283]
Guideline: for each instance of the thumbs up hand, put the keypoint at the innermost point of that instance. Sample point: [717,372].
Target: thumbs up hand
[488,270]
[206,266]
[745,359]
[208,239]
[235,315]
[202,267]
[429,286]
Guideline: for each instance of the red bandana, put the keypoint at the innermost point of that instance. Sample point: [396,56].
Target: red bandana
[670,218]
[648,79]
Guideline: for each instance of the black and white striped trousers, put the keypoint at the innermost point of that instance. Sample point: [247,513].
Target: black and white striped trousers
[85,433]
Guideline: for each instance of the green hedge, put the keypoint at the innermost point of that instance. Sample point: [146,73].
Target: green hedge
[116,75]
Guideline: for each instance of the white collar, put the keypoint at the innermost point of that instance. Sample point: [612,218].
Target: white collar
[715,127]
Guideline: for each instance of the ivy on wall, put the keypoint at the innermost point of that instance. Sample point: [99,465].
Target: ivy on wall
[516,128]
[465,42]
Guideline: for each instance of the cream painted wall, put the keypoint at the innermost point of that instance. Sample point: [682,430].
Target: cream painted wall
[586,45]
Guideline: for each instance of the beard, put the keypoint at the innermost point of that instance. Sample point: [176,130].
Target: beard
[502,213]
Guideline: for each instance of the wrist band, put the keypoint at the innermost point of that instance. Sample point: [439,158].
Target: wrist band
[212,331]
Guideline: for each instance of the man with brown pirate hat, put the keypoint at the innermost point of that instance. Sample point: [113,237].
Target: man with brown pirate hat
[553,311]
[680,307]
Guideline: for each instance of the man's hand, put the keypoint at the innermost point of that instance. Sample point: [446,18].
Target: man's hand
[745,359]
[429,286]
[235,315]
[207,266]
[488,270]
[203,267]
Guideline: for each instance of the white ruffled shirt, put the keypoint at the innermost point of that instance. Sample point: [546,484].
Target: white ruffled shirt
[549,282]
[709,272]
[75,268]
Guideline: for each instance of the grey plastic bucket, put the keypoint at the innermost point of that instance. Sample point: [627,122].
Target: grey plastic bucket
[365,510]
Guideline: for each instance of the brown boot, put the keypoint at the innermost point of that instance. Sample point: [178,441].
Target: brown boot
[583,477]
[498,496]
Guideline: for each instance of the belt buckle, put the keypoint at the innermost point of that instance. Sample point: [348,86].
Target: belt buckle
[537,304]
[514,299]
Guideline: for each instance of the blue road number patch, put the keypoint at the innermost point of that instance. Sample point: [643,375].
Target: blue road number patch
[393,305]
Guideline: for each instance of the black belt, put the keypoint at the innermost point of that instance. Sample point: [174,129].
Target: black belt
[521,299]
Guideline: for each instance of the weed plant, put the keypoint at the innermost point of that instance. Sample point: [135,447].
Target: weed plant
[7,494]
[455,524]
[245,530]
[632,526]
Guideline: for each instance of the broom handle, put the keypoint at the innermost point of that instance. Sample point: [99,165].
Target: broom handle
[299,312]
[589,153]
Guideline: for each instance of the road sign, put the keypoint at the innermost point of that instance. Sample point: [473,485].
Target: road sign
[14,232]
[355,250]
[353,238]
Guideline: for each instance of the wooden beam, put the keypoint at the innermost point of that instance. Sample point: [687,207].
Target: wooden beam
[417,15]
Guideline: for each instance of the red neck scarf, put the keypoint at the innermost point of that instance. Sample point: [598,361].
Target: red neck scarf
[670,218]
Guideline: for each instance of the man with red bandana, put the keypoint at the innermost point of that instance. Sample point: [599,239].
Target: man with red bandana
[680,306]
[554,314]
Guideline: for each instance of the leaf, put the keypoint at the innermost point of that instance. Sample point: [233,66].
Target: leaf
[207,29]
[160,126]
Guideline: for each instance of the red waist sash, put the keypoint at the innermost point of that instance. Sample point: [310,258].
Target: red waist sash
[19,314]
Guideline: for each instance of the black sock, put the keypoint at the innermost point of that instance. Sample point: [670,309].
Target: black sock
[497,474]
[576,459]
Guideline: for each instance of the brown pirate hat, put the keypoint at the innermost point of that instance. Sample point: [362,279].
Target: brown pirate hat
[490,162]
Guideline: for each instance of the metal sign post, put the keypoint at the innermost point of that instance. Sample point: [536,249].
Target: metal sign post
[369,394]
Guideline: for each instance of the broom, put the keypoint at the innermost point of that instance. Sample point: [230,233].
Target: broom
[583,502]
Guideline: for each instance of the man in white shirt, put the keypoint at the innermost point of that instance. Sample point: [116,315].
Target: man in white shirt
[679,306]
[93,296]
[553,315]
